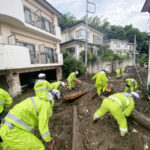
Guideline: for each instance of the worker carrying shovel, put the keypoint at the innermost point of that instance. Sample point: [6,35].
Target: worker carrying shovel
[71,78]
[5,102]
[131,85]
[120,105]
[101,81]
[32,113]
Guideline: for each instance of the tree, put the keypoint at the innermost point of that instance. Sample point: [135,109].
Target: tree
[143,59]
[71,64]
[67,20]
[91,57]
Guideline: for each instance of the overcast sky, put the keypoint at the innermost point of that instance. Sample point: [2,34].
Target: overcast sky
[118,12]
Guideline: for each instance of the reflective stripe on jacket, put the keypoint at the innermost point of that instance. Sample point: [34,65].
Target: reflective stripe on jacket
[5,100]
[32,113]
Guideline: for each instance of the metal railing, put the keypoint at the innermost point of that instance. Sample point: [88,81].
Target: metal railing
[43,57]
[37,21]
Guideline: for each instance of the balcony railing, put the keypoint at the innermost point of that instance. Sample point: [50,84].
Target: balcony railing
[43,57]
[35,19]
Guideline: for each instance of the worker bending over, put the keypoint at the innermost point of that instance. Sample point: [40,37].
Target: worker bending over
[120,105]
[117,73]
[56,86]
[5,102]
[101,81]
[71,78]
[32,113]
[131,84]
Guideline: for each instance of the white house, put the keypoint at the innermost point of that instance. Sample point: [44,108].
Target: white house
[29,42]
[73,39]
[121,47]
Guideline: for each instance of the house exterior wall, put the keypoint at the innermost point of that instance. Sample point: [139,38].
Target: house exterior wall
[71,33]
[14,29]
[120,46]
[78,44]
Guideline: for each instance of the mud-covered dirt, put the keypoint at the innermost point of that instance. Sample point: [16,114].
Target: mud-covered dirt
[102,135]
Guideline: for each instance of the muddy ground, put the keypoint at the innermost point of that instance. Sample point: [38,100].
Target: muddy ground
[102,135]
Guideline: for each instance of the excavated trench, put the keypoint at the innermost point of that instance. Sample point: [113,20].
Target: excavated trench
[73,129]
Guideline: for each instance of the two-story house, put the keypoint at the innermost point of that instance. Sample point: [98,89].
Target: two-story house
[121,47]
[29,42]
[73,39]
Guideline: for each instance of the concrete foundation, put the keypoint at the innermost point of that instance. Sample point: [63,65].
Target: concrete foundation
[13,82]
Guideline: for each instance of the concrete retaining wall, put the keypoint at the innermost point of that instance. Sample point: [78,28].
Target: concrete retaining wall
[110,65]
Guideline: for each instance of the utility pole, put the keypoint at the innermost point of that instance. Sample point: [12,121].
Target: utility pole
[148,80]
[86,39]
[134,49]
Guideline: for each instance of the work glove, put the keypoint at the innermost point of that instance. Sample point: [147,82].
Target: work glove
[51,144]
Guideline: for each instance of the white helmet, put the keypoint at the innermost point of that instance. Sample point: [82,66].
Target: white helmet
[136,95]
[62,84]
[77,72]
[105,70]
[132,80]
[42,76]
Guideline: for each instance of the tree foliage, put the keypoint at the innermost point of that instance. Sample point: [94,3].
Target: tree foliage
[143,59]
[91,57]
[67,20]
[71,64]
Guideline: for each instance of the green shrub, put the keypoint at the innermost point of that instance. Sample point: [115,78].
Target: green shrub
[71,64]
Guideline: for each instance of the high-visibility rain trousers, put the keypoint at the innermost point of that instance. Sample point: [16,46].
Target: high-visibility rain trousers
[71,79]
[101,81]
[119,105]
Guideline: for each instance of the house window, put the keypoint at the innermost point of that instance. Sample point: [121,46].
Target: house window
[81,33]
[31,48]
[45,25]
[27,14]
[96,39]
[49,52]
[71,50]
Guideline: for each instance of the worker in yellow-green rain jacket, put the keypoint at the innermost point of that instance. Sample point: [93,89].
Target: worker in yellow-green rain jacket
[122,71]
[71,78]
[56,86]
[120,105]
[117,73]
[5,102]
[101,81]
[31,113]
[131,84]
[42,86]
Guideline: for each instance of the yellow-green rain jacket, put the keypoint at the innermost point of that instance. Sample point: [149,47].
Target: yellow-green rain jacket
[72,77]
[42,87]
[5,100]
[122,71]
[101,78]
[128,81]
[33,112]
[55,85]
[119,105]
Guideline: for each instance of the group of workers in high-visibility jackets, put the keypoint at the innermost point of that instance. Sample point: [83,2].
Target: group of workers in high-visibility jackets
[119,72]
[34,112]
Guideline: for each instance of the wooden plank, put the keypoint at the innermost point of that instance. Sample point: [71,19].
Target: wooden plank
[77,142]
